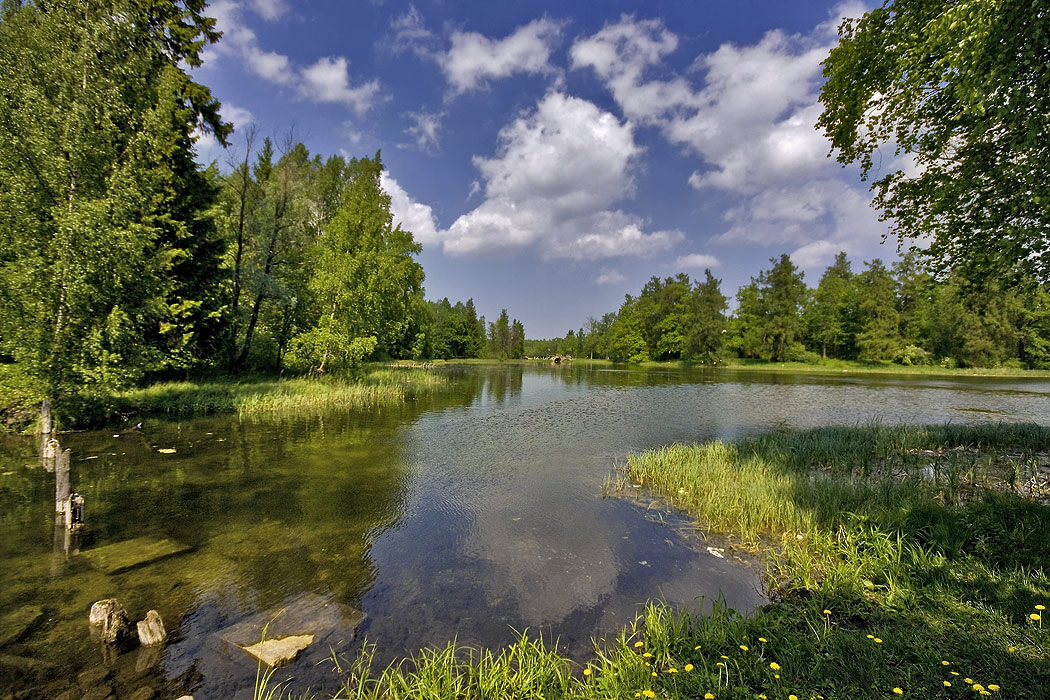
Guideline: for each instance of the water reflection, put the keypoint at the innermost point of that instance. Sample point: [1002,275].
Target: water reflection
[463,513]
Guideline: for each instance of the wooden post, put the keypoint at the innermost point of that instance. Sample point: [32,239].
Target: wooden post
[62,489]
[47,426]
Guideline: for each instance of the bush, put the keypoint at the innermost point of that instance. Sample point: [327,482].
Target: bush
[913,355]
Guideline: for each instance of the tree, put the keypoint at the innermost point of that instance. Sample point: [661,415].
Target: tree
[782,294]
[825,317]
[108,268]
[960,88]
[705,333]
[879,338]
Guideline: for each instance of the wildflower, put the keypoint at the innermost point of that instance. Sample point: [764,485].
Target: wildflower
[638,695]
[954,673]
[792,697]
[763,640]
[653,673]
[709,696]
[762,697]
[985,692]
[744,647]
[672,670]
[878,641]
[946,663]
[871,636]
[1035,616]
[647,655]
[720,664]
[724,656]
[777,676]
[648,693]
[827,612]
[978,687]
[648,664]
[688,668]
[639,645]
[1040,607]
[968,681]
[586,671]
[696,647]
[898,691]
[1011,649]
[993,686]
[947,684]
[774,665]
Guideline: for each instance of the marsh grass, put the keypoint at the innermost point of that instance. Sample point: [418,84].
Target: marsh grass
[897,557]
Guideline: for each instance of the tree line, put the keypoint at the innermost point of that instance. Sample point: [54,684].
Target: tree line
[901,313]
[122,259]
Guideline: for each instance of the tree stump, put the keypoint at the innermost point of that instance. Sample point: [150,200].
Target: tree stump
[151,630]
[109,622]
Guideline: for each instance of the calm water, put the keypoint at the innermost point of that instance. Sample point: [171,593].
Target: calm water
[468,514]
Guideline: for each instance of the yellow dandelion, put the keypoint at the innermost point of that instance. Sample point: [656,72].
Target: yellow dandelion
[1011,649]
[947,684]
[985,692]
[946,663]
[586,671]
[720,664]
[648,664]
[898,691]
[648,693]
[763,640]
[638,695]
[968,681]
[696,647]
[1040,607]
[647,655]
[688,668]
[639,645]
[724,656]
[762,697]
[744,647]
[954,673]
[777,676]
[993,686]
[827,612]
[878,641]
[978,687]
[653,673]
[709,696]
[672,670]
[871,636]
[774,665]
[792,697]
[1035,616]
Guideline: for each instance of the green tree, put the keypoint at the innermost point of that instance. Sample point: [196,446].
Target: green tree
[706,330]
[825,318]
[108,268]
[960,88]
[782,294]
[879,338]
[747,327]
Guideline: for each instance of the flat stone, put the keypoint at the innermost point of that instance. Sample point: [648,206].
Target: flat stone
[114,558]
[93,676]
[15,625]
[278,652]
[329,622]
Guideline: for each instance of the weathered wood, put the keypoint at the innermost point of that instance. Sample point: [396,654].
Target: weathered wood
[47,423]
[151,630]
[109,621]
[62,489]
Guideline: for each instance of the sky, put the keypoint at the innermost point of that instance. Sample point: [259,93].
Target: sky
[551,157]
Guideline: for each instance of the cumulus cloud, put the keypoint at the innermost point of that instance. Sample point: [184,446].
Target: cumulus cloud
[552,183]
[609,276]
[697,261]
[425,131]
[326,80]
[474,59]
[410,33]
[410,214]
[270,10]
[748,113]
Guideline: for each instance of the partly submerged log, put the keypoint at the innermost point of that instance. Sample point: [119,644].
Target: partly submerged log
[151,630]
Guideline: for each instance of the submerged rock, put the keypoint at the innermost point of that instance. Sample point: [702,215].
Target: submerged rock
[115,558]
[109,622]
[151,630]
[278,652]
[15,625]
[93,676]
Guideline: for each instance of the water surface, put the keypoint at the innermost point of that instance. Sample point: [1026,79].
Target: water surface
[466,514]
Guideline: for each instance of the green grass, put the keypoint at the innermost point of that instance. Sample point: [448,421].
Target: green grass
[891,550]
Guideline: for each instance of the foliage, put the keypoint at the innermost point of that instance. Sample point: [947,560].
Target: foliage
[959,89]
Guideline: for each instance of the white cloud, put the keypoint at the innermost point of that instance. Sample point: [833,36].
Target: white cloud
[748,112]
[413,216]
[425,132]
[552,183]
[816,254]
[270,10]
[474,59]
[326,80]
[696,260]
[609,276]
[411,34]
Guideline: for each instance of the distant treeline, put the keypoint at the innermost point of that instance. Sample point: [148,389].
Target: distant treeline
[901,314]
[456,331]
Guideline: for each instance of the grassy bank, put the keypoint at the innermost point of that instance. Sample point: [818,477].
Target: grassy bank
[903,561]
[833,367]
[254,396]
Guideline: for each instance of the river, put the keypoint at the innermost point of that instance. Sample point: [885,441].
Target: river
[467,513]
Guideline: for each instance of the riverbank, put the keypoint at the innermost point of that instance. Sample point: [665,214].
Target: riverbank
[831,367]
[903,561]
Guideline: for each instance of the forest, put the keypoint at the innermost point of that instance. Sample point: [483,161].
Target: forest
[901,313]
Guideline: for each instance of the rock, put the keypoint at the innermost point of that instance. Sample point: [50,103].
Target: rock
[114,558]
[278,652]
[185,697]
[15,625]
[95,675]
[109,621]
[151,630]
[71,694]
[99,692]
[143,693]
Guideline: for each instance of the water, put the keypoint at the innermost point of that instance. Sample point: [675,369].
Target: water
[468,514]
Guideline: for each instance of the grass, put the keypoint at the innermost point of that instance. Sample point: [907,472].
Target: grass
[903,562]
[832,366]
[254,396]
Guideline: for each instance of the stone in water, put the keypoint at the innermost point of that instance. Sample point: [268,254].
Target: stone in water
[122,556]
[15,625]
[278,652]
[109,620]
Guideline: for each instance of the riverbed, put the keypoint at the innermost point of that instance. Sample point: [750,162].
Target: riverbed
[469,513]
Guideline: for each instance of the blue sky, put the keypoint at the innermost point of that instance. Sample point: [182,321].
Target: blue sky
[551,157]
